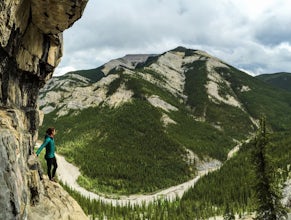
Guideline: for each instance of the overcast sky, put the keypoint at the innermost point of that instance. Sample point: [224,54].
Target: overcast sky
[252,35]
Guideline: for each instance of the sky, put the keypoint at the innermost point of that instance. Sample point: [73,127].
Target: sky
[252,35]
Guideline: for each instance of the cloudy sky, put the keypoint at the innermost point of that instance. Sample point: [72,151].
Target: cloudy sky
[252,35]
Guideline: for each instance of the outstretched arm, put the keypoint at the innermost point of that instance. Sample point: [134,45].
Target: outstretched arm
[42,146]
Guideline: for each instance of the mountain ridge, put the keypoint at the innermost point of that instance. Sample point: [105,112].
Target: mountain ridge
[172,84]
[280,80]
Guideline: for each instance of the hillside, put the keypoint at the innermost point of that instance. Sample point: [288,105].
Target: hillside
[279,80]
[134,127]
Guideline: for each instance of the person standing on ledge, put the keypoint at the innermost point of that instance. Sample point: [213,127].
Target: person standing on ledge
[50,157]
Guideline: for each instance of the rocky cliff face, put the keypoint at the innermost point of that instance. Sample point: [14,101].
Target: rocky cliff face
[31,47]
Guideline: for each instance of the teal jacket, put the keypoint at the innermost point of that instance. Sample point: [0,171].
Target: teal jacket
[49,145]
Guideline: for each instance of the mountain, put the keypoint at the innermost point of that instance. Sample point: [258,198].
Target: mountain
[130,130]
[280,80]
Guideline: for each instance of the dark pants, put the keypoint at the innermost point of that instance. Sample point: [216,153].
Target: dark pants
[50,162]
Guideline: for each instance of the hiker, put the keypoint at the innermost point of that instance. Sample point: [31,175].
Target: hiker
[49,145]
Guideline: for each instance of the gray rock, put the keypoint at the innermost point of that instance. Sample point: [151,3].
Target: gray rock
[30,49]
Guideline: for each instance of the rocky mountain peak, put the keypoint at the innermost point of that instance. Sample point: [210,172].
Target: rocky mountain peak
[169,71]
[129,61]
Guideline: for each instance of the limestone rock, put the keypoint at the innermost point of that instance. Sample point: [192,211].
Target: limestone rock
[30,49]
[54,16]
[31,31]
[50,201]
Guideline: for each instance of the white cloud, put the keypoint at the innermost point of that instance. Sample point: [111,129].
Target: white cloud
[62,70]
[248,34]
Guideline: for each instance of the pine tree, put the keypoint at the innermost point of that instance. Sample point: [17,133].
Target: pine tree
[266,188]
[228,214]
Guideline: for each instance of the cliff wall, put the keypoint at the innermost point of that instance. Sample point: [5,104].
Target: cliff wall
[30,49]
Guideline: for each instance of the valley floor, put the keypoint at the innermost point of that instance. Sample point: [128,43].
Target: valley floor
[68,174]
